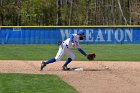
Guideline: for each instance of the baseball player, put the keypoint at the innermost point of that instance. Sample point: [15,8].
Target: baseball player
[65,48]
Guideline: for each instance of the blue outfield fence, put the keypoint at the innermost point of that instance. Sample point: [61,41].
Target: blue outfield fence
[51,35]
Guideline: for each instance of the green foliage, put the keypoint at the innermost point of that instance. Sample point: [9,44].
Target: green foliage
[68,12]
[23,83]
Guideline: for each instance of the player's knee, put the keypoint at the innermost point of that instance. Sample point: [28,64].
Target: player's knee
[72,56]
[57,58]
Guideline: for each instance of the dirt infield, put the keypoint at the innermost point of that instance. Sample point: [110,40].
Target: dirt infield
[96,77]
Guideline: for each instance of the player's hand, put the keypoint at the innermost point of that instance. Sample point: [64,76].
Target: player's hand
[73,45]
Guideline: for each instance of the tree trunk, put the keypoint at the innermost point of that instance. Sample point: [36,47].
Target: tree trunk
[19,14]
[87,11]
[58,15]
[129,7]
[66,13]
[121,11]
[70,14]
[2,19]
[1,14]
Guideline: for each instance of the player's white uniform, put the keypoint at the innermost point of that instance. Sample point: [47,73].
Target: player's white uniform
[64,48]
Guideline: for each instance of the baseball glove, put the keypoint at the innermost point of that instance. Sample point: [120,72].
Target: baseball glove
[91,56]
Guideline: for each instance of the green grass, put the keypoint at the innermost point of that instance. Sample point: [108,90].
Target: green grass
[106,52]
[23,83]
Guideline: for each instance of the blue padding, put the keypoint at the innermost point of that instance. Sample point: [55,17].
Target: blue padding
[104,35]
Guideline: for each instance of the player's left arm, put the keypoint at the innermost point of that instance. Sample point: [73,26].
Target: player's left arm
[80,49]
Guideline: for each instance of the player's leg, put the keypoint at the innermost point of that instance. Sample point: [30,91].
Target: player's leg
[49,61]
[71,57]
[52,60]
[44,63]
[60,52]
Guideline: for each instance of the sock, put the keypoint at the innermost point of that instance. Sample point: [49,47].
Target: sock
[50,61]
[67,61]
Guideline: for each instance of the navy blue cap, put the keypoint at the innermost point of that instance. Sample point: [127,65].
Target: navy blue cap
[81,33]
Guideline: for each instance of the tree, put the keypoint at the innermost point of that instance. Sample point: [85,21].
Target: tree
[69,12]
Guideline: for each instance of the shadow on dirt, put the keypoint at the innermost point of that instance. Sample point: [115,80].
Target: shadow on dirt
[96,69]
[82,69]
[88,69]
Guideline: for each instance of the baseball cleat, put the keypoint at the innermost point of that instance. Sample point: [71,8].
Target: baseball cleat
[42,66]
[65,68]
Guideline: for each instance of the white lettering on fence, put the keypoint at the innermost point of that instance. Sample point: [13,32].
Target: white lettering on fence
[128,35]
[109,34]
[119,33]
[99,37]
[89,35]
[64,33]
[102,35]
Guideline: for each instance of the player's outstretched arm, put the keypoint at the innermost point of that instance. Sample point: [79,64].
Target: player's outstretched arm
[82,51]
